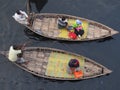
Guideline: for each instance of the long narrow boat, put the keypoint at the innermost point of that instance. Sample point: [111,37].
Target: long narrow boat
[52,64]
[45,24]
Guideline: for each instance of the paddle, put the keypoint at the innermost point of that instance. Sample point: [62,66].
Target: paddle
[20,46]
[28,7]
[25,44]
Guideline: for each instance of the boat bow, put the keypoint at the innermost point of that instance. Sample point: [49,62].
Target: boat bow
[113,32]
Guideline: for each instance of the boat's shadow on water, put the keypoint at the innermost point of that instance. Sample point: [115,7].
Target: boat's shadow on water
[34,36]
[38,3]
[105,39]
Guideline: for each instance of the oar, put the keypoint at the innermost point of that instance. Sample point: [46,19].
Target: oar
[28,7]
[4,53]
[25,44]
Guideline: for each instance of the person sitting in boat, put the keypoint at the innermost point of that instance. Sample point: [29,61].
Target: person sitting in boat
[21,17]
[62,22]
[16,53]
[73,66]
[78,29]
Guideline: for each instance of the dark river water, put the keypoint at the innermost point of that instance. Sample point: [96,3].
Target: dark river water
[105,52]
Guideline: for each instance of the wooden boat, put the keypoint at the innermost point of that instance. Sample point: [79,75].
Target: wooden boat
[45,24]
[52,64]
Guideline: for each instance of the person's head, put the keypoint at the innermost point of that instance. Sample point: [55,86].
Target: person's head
[63,18]
[73,63]
[17,47]
[78,22]
[18,12]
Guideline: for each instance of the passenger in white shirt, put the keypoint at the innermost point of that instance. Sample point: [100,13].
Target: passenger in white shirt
[15,54]
[21,17]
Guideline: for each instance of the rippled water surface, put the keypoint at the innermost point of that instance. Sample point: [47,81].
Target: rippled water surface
[105,52]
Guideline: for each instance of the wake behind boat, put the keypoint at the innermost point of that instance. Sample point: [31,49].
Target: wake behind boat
[45,24]
[52,64]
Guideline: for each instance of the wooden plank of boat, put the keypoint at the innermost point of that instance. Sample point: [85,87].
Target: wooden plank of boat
[52,64]
[45,24]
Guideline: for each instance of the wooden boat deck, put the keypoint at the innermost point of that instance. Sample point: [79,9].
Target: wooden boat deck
[50,63]
[46,25]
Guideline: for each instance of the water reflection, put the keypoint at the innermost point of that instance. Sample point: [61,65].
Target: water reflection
[38,3]
[34,36]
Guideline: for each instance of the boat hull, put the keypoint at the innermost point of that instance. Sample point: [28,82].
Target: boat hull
[52,64]
[45,24]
